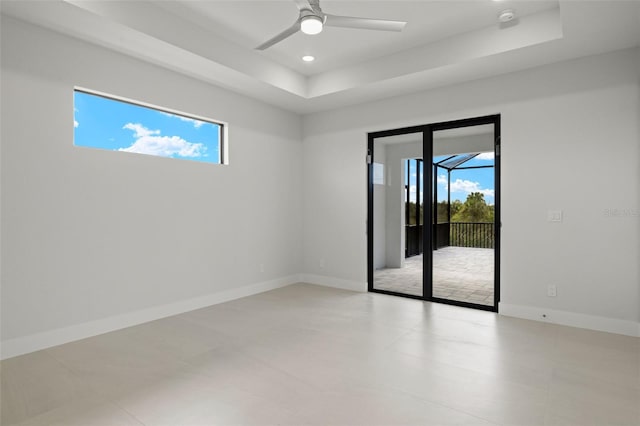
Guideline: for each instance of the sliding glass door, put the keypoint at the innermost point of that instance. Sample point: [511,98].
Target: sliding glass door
[464,193]
[433,229]
[397,210]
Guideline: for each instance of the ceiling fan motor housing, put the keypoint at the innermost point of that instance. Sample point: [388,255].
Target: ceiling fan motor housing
[312,19]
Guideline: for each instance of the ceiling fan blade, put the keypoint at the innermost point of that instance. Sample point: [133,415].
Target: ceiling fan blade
[364,23]
[277,39]
[303,4]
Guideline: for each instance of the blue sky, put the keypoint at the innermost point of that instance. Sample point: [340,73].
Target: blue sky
[463,182]
[119,126]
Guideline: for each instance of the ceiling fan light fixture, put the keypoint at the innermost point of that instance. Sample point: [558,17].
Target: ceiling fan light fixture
[311,25]
[312,19]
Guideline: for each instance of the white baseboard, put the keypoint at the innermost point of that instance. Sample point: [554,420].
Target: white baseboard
[572,319]
[47,339]
[334,282]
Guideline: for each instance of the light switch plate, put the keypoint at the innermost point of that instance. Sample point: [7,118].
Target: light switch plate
[554,216]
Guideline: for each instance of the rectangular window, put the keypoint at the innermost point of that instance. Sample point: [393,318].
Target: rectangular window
[105,122]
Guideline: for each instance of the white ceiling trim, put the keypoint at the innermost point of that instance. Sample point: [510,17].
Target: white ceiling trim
[576,29]
[531,30]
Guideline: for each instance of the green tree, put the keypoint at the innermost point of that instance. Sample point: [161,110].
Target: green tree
[411,206]
[456,206]
[474,209]
[443,212]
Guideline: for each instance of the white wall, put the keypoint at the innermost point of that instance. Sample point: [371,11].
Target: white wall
[570,141]
[380,211]
[395,200]
[92,239]
[462,144]
[95,240]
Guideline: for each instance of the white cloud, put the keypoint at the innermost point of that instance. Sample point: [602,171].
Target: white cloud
[485,156]
[196,123]
[75,123]
[467,186]
[413,191]
[140,130]
[151,142]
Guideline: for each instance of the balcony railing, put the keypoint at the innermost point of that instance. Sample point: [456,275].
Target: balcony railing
[456,234]
[413,240]
[472,234]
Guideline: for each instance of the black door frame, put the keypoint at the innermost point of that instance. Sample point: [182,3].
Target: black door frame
[413,249]
[427,145]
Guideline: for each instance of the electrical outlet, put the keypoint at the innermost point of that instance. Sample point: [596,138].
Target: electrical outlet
[551,290]
[262,267]
[322,263]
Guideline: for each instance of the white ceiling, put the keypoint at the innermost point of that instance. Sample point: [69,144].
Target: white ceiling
[427,21]
[445,42]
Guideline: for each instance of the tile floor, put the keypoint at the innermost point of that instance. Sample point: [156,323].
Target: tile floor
[459,273]
[308,355]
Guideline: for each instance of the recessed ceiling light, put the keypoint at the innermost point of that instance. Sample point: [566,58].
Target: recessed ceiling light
[308,58]
[507,15]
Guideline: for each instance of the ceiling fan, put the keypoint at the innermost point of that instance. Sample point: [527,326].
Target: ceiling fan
[312,19]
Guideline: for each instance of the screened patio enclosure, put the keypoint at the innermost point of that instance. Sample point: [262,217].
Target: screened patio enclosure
[463,255]
[475,234]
